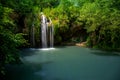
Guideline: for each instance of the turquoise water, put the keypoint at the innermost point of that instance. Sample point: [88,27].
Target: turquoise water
[67,63]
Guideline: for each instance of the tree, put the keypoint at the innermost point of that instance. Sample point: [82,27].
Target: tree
[9,40]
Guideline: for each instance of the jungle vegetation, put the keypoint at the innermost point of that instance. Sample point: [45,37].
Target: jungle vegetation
[95,21]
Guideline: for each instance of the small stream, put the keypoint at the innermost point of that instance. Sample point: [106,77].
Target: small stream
[66,63]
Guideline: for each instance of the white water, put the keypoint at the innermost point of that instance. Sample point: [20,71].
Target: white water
[45,33]
[45,49]
[51,35]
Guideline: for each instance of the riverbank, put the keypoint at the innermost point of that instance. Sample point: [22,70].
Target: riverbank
[80,44]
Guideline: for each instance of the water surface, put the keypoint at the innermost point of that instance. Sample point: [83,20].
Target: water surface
[68,63]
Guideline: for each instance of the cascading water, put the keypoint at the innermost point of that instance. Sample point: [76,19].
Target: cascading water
[32,35]
[51,34]
[46,32]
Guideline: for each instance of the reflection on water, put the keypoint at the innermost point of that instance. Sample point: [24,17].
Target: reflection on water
[105,53]
[67,63]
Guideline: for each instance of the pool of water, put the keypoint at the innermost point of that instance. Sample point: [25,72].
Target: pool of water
[67,63]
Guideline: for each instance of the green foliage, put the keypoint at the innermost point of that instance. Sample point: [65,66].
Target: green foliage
[99,18]
[72,19]
[9,40]
[102,24]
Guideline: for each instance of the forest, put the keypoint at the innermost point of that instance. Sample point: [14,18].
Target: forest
[96,22]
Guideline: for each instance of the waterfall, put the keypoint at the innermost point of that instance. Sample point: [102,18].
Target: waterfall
[32,35]
[51,34]
[44,31]
[47,30]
